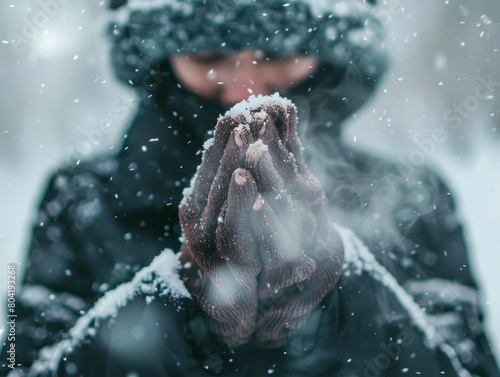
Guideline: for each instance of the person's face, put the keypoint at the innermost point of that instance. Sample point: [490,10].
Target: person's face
[230,78]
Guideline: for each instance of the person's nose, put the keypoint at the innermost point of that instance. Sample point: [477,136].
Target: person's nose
[244,78]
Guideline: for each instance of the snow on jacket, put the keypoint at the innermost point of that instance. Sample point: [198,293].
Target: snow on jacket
[383,318]
[405,303]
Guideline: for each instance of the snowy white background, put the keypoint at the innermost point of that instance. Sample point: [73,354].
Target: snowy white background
[57,87]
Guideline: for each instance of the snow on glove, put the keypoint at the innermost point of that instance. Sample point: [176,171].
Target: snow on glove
[262,251]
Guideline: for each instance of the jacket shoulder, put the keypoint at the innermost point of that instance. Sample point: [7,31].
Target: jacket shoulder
[76,185]
[128,324]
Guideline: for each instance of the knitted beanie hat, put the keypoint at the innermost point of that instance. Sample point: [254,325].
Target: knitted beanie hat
[145,33]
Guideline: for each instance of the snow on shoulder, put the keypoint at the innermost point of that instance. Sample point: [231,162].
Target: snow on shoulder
[160,278]
[357,255]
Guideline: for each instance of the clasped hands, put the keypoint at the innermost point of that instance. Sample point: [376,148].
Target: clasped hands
[260,251]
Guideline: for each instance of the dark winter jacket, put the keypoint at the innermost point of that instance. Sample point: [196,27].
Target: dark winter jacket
[414,309]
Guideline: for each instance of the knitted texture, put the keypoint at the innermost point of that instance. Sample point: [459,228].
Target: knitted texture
[260,251]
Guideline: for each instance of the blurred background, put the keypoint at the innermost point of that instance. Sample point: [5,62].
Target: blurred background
[58,94]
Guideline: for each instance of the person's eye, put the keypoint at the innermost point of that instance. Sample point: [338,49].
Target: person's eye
[204,58]
[271,56]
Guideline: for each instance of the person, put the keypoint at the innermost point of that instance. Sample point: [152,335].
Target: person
[264,282]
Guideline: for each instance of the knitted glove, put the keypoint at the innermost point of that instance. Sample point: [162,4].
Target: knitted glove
[261,251]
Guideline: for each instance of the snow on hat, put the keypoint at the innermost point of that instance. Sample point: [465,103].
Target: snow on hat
[146,32]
